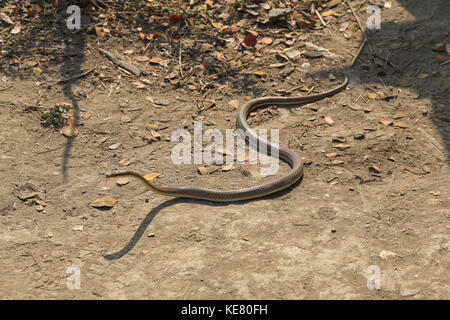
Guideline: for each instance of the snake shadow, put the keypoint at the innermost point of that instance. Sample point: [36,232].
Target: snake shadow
[172,202]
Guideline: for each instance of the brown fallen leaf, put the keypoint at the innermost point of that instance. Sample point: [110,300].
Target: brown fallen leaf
[70,130]
[124,162]
[100,32]
[374,169]
[142,58]
[156,60]
[155,134]
[114,146]
[329,120]
[122,181]
[151,175]
[176,18]
[16,29]
[6,18]
[227,167]
[264,75]
[372,95]
[85,115]
[37,71]
[202,170]
[250,39]
[385,122]
[331,155]
[125,119]
[102,202]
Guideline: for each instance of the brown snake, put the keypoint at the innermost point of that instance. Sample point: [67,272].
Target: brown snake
[261,190]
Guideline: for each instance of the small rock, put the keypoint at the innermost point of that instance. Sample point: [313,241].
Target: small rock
[409,292]
[278,13]
[331,77]
[439,47]
[359,136]
[306,67]
[151,235]
[26,196]
[387,254]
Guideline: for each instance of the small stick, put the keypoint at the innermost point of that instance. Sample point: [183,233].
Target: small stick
[360,26]
[320,18]
[361,47]
[124,64]
[179,61]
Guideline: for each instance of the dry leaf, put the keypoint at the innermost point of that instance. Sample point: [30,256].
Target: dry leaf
[202,170]
[331,155]
[107,201]
[156,61]
[125,119]
[142,58]
[250,39]
[327,13]
[374,169]
[264,75]
[266,40]
[176,18]
[387,254]
[441,59]
[14,61]
[372,95]
[70,130]
[423,76]
[100,32]
[37,71]
[228,167]
[151,175]
[114,146]
[155,134]
[139,85]
[16,29]
[385,122]
[329,120]
[85,115]
[6,18]
[124,162]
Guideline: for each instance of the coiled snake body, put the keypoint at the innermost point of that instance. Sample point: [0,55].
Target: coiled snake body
[261,190]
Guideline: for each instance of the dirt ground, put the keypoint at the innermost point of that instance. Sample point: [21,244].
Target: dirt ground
[375,190]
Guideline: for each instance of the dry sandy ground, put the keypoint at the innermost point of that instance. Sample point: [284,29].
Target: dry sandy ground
[382,201]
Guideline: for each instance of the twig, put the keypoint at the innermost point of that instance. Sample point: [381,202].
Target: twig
[361,47]
[76,76]
[361,27]
[124,64]
[320,18]
[179,60]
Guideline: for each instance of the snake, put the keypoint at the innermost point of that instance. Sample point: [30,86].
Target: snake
[261,190]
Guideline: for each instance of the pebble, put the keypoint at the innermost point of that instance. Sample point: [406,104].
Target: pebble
[278,13]
[439,47]
[359,136]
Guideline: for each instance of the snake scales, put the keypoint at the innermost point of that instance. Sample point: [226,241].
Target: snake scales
[261,190]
